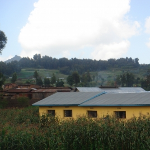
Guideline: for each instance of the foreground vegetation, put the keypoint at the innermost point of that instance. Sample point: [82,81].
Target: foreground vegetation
[21,129]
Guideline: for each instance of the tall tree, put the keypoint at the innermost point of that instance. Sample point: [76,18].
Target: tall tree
[53,79]
[3,40]
[2,80]
[46,82]
[145,83]
[14,78]
[125,79]
[39,81]
[75,77]
[59,83]
[35,75]
[70,80]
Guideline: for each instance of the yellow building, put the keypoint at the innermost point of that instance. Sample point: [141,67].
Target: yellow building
[95,104]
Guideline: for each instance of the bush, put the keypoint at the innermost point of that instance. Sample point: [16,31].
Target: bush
[23,101]
[3,103]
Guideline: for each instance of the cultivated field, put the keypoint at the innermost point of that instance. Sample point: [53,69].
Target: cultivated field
[22,129]
[100,77]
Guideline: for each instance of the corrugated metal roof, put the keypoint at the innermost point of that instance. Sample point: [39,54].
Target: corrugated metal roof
[95,99]
[18,90]
[50,90]
[120,99]
[44,90]
[66,99]
[112,90]
[89,89]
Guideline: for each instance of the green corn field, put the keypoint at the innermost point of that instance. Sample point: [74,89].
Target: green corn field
[22,129]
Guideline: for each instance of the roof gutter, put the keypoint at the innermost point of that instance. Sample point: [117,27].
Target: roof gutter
[111,105]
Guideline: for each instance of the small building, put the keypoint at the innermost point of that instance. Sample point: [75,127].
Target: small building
[95,104]
[19,93]
[9,86]
[28,86]
[111,89]
[38,94]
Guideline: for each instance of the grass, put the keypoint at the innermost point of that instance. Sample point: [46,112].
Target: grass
[22,129]
[101,77]
[27,73]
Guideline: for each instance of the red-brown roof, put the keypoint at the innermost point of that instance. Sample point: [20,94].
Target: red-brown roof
[50,90]
[44,90]
[18,90]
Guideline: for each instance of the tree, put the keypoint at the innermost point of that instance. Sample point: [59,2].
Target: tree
[125,79]
[89,79]
[145,83]
[37,57]
[14,78]
[46,82]
[53,79]
[86,78]
[59,83]
[39,81]
[70,80]
[3,40]
[2,80]
[35,75]
[75,77]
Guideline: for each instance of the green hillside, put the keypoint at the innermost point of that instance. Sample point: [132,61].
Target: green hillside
[100,77]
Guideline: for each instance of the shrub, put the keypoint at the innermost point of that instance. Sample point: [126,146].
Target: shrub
[23,101]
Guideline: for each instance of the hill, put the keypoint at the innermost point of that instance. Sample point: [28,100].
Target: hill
[17,58]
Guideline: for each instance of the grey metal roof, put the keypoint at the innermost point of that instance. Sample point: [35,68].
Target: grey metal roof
[66,99]
[89,89]
[96,99]
[112,90]
[120,99]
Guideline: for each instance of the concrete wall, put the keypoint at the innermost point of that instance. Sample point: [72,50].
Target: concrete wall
[101,111]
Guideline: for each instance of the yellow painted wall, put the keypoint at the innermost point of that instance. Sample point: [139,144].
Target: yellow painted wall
[101,111]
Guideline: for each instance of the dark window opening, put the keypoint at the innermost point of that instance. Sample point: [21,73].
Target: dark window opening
[68,113]
[51,112]
[92,114]
[120,114]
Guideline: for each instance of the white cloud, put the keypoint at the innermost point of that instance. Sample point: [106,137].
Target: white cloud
[57,27]
[147,25]
[147,30]
[113,50]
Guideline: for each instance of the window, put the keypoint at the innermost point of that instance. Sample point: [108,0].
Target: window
[92,114]
[120,114]
[68,113]
[51,112]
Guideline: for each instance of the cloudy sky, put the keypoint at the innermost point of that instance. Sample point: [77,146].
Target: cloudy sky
[95,29]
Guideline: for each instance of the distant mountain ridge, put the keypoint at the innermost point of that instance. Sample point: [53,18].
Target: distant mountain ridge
[17,58]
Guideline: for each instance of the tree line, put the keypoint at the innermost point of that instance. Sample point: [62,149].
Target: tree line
[67,66]
[47,82]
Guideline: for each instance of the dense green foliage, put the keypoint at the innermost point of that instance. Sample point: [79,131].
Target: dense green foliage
[2,80]
[21,129]
[124,71]
[14,78]
[126,79]
[47,82]
[9,68]
[74,78]
[53,79]
[59,83]
[67,66]
[3,40]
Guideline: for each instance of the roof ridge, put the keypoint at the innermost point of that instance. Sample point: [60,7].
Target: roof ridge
[93,97]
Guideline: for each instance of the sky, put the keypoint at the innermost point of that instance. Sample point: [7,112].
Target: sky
[89,29]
